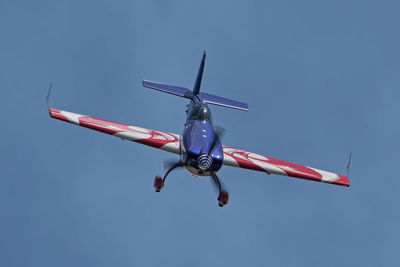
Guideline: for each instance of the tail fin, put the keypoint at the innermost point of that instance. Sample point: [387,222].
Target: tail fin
[197,85]
[186,93]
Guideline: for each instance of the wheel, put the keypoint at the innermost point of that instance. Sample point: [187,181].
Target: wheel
[223,198]
[158,183]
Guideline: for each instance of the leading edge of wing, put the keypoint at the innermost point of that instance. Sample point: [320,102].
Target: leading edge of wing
[252,161]
[158,139]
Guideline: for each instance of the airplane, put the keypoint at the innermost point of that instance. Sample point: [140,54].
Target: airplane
[199,147]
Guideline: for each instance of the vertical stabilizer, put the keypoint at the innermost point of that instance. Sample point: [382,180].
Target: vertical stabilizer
[197,85]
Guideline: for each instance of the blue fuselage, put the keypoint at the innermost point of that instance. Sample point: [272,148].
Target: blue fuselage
[202,152]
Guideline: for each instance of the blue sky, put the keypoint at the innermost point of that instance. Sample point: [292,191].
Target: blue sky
[321,79]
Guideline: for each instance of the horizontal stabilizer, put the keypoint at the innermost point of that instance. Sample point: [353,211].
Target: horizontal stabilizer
[220,101]
[174,90]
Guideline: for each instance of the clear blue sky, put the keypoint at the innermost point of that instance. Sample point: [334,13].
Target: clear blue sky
[321,79]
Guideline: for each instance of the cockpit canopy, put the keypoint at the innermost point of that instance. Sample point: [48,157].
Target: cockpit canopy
[201,112]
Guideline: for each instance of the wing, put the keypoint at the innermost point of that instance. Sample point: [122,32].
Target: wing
[247,160]
[158,139]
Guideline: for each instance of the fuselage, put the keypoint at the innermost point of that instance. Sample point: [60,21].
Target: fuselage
[201,149]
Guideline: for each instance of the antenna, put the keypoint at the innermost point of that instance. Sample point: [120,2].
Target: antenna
[348,165]
[48,95]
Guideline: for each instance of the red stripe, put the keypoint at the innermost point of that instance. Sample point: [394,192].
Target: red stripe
[56,114]
[343,180]
[293,170]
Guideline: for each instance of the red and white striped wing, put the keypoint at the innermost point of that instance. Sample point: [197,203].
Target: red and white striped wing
[247,160]
[158,139]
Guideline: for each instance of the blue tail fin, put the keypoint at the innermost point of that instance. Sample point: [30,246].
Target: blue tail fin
[186,93]
[197,84]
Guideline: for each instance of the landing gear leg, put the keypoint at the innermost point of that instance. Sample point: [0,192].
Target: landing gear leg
[223,196]
[159,182]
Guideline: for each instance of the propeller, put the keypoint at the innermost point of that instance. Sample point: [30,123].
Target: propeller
[220,132]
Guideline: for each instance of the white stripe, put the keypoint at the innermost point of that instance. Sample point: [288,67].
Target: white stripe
[72,117]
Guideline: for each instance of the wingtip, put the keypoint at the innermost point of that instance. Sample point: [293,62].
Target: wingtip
[343,181]
[204,54]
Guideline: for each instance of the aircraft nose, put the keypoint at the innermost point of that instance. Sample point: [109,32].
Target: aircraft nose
[204,162]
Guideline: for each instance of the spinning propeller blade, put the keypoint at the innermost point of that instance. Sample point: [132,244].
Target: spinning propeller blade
[220,132]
